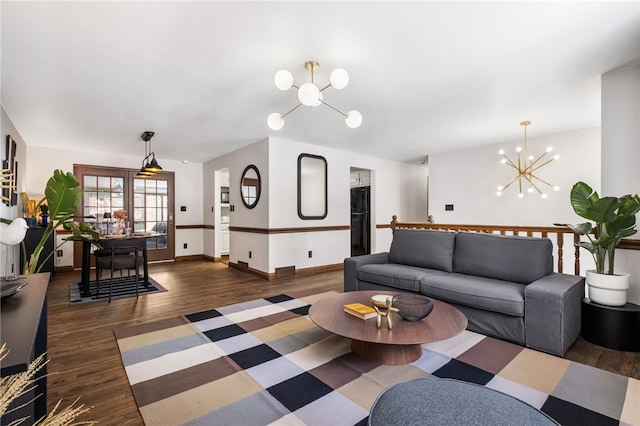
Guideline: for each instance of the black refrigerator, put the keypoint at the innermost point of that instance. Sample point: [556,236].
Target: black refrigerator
[360,221]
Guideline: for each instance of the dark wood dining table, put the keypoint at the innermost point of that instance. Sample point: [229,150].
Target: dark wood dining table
[86,259]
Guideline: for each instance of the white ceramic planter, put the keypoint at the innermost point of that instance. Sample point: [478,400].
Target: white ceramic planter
[610,290]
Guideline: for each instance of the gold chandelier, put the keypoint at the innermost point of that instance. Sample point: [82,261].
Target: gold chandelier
[309,94]
[526,165]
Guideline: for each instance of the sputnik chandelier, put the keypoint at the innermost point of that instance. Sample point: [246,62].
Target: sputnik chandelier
[526,166]
[310,95]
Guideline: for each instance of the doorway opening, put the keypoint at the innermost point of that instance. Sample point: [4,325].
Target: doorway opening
[360,211]
[222,217]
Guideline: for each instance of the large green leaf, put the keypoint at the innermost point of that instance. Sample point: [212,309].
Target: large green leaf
[582,197]
[63,195]
[629,205]
[604,209]
[580,229]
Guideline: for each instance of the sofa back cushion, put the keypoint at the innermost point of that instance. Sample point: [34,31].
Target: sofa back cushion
[509,258]
[423,248]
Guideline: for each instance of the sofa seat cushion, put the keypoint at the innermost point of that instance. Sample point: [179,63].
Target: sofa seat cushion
[503,257]
[426,249]
[402,277]
[477,292]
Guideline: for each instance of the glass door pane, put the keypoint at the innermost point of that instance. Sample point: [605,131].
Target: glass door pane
[148,202]
[151,210]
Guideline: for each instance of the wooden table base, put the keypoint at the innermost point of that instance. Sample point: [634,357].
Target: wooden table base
[386,354]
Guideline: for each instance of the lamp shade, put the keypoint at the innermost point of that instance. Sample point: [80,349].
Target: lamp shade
[354,119]
[308,94]
[153,166]
[339,78]
[144,173]
[275,122]
[283,80]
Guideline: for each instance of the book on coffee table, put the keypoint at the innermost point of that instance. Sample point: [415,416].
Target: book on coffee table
[360,310]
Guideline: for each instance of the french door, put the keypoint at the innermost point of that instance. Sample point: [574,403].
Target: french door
[149,203]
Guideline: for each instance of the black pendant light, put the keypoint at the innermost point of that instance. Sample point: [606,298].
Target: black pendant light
[150,165]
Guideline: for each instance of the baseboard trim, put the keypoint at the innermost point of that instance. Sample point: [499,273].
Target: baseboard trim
[64,269]
[190,257]
[285,272]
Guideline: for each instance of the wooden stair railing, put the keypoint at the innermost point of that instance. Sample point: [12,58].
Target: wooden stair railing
[529,231]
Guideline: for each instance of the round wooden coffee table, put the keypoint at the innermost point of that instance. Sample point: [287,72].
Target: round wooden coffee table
[401,345]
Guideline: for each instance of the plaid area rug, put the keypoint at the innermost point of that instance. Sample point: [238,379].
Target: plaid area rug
[122,287]
[265,362]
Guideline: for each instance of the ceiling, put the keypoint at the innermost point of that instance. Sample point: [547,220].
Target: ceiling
[427,76]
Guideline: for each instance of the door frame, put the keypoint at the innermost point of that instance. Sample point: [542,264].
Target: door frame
[80,170]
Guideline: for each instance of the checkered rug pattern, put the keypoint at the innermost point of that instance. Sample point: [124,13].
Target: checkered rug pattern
[265,362]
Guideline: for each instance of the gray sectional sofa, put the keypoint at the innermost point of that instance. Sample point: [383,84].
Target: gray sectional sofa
[505,285]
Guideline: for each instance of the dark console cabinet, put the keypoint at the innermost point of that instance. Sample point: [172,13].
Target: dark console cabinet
[23,326]
[31,240]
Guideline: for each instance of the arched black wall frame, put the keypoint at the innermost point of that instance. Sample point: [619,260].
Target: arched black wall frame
[312,183]
[250,187]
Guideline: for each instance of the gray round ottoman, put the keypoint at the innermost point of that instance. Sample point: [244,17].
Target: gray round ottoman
[435,401]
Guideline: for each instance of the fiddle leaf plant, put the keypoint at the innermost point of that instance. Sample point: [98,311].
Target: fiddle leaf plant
[614,217]
[62,195]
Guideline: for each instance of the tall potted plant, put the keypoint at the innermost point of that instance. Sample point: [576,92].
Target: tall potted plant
[615,219]
[62,196]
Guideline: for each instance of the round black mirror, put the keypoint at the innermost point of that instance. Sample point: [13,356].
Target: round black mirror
[250,186]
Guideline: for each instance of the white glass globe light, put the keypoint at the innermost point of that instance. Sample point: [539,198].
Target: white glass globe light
[499,193]
[339,78]
[549,149]
[556,188]
[503,161]
[520,195]
[518,149]
[501,152]
[308,94]
[275,122]
[544,196]
[283,80]
[319,102]
[530,190]
[556,157]
[354,119]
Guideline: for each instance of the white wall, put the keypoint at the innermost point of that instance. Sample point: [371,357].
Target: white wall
[468,179]
[188,186]
[6,212]
[621,152]
[240,242]
[397,188]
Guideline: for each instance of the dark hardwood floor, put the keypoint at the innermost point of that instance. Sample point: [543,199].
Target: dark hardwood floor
[84,357]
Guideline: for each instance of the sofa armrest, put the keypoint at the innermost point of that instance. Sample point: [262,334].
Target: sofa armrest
[553,317]
[351,265]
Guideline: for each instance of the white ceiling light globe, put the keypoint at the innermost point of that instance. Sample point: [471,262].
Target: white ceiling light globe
[275,122]
[339,78]
[354,119]
[283,80]
[320,98]
[308,94]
